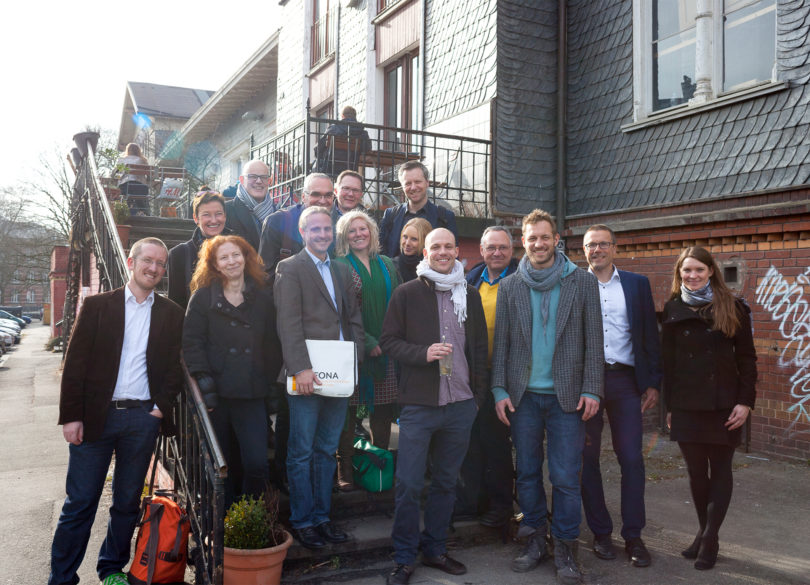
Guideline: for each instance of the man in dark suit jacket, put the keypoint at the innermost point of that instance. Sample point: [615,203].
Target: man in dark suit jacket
[121,376]
[252,204]
[632,381]
[436,330]
[315,300]
[415,180]
[280,237]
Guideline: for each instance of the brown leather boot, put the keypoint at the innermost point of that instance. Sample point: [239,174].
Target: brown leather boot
[345,474]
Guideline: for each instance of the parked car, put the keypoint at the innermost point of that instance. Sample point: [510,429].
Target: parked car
[27,319]
[11,328]
[6,341]
[7,315]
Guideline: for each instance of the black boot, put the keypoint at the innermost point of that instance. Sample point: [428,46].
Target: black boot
[692,551]
[707,554]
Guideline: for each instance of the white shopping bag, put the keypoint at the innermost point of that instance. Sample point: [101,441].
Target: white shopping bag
[335,366]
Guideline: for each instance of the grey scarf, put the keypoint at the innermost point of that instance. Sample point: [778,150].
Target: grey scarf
[699,297]
[543,280]
[260,209]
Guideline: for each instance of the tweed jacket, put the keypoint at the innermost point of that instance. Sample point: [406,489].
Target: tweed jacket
[305,310]
[579,361]
[94,352]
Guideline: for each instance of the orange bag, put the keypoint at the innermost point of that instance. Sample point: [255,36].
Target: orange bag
[161,550]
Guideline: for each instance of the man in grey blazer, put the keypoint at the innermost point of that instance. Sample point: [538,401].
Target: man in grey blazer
[314,301]
[547,373]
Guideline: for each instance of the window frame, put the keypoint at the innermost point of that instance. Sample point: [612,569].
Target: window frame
[643,66]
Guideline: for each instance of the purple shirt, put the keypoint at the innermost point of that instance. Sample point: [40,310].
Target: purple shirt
[455,387]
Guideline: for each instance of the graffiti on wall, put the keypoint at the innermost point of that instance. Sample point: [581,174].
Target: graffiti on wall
[786,303]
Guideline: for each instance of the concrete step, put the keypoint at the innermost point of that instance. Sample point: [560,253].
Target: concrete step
[171,230]
[368,551]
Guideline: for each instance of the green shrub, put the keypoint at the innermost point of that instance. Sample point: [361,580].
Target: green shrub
[252,523]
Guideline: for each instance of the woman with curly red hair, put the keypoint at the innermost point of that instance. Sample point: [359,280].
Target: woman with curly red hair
[231,347]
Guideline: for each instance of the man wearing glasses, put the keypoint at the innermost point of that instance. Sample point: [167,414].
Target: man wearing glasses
[485,480]
[280,237]
[632,380]
[247,211]
[348,194]
[121,376]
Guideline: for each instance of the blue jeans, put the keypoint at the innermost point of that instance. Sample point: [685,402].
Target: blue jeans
[438,435]
[130,434]
[623,405]
[538,415]
[315,425]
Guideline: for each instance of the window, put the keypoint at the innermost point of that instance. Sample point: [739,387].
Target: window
[30,296]
[402,102]
[323,32]
[689,52]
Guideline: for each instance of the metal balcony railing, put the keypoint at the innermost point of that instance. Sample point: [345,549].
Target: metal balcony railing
[193,458]
[460,167]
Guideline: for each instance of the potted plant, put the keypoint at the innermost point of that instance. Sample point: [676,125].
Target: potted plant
[120,211]
[255,543]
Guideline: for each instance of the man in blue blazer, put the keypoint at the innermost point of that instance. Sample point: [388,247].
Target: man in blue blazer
[632,382]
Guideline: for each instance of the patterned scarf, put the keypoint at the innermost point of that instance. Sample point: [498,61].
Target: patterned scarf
[454,282]
[699,297]
[543,280]
[260,209]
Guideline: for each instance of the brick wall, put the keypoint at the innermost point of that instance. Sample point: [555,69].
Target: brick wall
[772,257]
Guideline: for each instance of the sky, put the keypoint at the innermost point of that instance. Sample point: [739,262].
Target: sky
[64,65]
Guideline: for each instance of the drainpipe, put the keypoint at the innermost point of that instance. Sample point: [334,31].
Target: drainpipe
[562,98]
[336,112]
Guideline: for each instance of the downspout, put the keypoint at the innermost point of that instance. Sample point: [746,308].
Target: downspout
[562,99]
[336,111]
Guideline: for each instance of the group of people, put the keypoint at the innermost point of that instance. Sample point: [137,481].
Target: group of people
[510,354]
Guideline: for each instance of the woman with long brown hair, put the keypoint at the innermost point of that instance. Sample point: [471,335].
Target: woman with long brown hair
[710,374]
[231,347]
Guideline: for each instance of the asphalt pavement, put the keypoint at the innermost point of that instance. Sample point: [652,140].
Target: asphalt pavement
[764,541]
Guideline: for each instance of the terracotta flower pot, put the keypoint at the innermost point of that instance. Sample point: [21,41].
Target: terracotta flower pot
[123,234]
[255,567]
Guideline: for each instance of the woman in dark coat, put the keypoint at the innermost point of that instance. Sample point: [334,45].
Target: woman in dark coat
[709,376]
[231,347]
[208,210]
[411,245]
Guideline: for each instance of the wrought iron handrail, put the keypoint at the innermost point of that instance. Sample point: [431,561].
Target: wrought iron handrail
[193,458]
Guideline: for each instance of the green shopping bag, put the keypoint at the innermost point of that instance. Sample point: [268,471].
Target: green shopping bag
[373,467]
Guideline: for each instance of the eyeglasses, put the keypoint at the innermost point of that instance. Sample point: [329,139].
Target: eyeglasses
[351,190]
[152,262]
[319,195]
[262,178]
[492,249]
[600,245]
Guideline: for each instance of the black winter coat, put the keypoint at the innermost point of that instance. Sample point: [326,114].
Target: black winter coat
[238,347]
[704,369]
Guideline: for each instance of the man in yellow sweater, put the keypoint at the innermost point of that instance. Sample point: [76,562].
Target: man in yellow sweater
[484,488]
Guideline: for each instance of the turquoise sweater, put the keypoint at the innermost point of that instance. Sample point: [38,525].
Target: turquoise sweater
[541,380]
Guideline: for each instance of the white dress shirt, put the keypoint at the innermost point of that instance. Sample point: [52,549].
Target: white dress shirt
[326,275]
[133,382]
[616,325]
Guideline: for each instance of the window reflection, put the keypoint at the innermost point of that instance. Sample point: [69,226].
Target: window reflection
[673,50]
[749,42]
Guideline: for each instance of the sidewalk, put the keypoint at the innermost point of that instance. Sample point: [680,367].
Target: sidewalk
[764,540]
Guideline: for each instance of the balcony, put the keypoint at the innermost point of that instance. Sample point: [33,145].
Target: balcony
[460,167]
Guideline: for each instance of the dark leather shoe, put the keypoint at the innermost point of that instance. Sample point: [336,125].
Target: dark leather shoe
[603,547]
[495,518]
[400,575]
[445,563]
[309,537]
[691,552]
[331,533]
[638,553]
